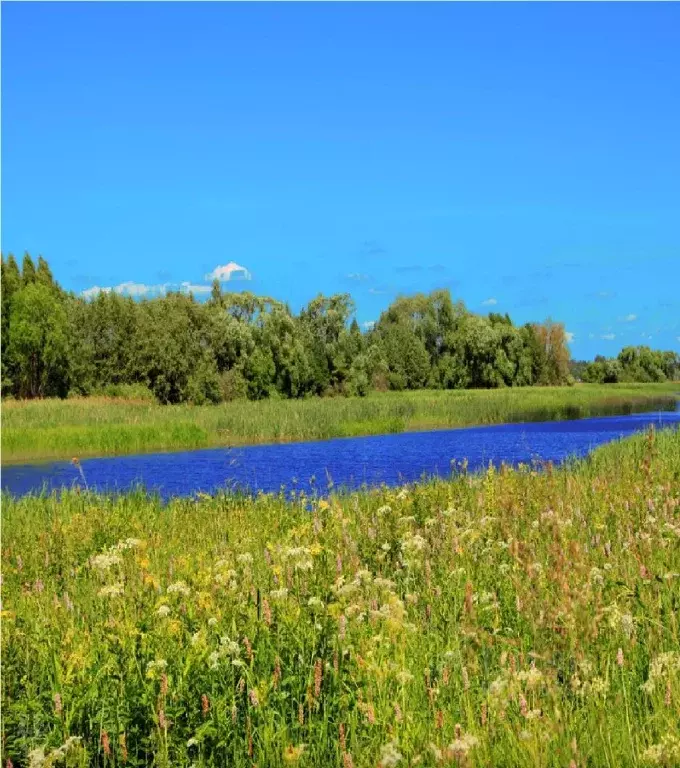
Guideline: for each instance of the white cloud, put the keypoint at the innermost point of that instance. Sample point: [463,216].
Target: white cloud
[608,336]
[230,271]
[489,302]
[187,287]
[90,293]
[376,291]
[629,318]
[569,336]
[368,325]
[357,276]
[131,288]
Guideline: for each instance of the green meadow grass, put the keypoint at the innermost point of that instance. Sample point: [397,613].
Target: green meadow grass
[511,618]
[58,429]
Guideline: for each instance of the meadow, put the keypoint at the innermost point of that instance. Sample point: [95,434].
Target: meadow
[509,618]
[59,429]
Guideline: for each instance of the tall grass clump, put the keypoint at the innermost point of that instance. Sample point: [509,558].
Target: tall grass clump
[510,618]
[104,426]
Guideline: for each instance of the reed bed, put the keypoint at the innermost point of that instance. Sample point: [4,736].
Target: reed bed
[509,618]
[60,429]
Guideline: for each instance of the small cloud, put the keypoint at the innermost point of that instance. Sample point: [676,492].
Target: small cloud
[187,287]
[230,271]
[608,336]
[368,325]
[131,288]
[569,336]
[490,302]
[591,335]
[376,291]
[359,276]
[90,293]
[372,248]
[629,318]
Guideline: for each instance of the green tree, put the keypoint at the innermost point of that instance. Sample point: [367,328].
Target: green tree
[38,342]
[27,270]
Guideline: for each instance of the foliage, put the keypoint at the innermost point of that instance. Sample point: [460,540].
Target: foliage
[519,618]
[633,364]
[238,344]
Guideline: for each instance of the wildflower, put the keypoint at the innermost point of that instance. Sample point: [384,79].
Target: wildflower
[245,558]
[58,707]
[178,588]
[252,694]
[163,611]
[279,594]
[342,626]
[315,603]
[154,666]
[619,657]
[104,561]
[665,753]
[193,742]
[459,749]
[317,678]
[661,667]
[128,544]
[370,714]
[389,755]
[105,743]
[292,754]
[123,747]
[347,761]
[112,590]
[36,758]
[212,621]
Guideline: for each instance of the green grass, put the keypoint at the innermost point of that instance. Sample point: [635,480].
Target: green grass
[512,618]
[59,429]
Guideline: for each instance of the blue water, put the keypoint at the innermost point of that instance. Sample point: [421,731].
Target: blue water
[347,462]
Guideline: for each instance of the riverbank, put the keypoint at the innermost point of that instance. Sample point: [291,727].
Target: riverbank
[508,618]
[60,429]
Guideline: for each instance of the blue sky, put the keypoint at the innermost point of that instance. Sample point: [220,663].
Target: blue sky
[526,156]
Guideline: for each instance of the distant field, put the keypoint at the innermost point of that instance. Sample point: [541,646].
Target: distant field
[61,429]
[513,618]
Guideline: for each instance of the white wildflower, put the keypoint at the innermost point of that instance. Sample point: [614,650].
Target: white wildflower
[178,588]
[111,590]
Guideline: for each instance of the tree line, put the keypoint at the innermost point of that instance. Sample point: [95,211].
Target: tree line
[632,364]
[239,345]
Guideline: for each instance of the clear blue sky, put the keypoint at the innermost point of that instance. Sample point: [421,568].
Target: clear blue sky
[522,154]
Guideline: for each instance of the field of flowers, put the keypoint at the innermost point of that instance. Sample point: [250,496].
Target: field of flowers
[513,618]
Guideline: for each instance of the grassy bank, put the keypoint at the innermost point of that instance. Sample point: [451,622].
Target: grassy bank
[60,429]
[507,619]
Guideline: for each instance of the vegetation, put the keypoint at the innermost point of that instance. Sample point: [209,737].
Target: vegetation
[43,429]
[238,345]
[513,618]
[631,364]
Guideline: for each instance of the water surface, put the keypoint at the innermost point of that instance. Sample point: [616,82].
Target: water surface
[345,462]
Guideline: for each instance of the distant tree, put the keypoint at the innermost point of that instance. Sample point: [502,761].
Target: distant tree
[27,270]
